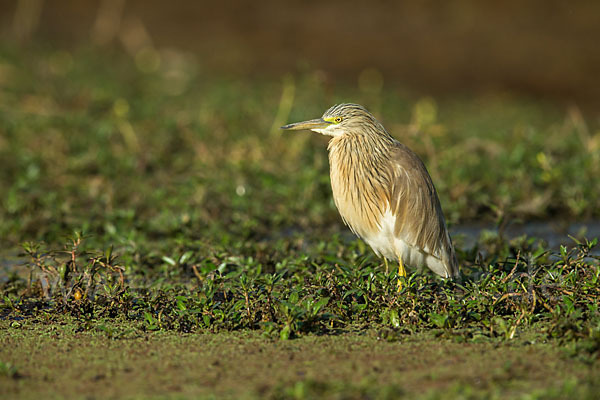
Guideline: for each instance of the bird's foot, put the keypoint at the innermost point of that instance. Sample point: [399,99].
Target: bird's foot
[401,274]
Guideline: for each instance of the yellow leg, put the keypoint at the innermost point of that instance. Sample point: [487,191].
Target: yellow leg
[387,267]
[401,273]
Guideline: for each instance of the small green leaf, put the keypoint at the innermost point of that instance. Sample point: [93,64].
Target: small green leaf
[169,260]
[285,333]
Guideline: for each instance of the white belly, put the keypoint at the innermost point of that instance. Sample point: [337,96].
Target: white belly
[385,244]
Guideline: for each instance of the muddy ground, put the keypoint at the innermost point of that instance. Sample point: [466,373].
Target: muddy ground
[60,360]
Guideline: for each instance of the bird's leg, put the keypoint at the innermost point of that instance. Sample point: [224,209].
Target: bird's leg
[387,267]
[401,273]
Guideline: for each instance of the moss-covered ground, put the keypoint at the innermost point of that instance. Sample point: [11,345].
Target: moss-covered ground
[72,361]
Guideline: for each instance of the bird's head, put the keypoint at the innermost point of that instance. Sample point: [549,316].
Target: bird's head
[342,119]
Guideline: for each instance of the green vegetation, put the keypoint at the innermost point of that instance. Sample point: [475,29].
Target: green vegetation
[154,218]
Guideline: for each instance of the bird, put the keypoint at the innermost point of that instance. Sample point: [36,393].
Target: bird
[383,192]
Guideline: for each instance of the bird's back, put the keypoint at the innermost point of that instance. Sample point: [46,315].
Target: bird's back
[419,219]
[386,196]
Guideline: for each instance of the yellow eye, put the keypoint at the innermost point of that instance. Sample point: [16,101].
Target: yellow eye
[337,120]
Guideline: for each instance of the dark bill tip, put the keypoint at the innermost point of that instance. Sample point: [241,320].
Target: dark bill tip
[311,124]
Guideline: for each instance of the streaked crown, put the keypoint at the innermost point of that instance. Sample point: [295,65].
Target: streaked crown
[354,117]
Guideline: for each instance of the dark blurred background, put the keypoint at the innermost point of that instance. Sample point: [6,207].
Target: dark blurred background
[541,48]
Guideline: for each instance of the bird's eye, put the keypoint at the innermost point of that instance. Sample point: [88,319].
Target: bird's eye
[337,120]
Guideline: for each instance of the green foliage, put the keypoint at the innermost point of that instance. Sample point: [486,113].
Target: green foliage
[114,152]
[138,209]
[553,294]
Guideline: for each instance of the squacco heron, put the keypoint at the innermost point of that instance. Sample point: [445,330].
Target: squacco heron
[383,191]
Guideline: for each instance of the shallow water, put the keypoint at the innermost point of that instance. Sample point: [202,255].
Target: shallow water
[552,232]
[10,263]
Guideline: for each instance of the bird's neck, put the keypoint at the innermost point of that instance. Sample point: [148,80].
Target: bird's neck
[358,150]
[360,179]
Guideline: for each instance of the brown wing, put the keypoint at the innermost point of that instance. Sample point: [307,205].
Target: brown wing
[415,204]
